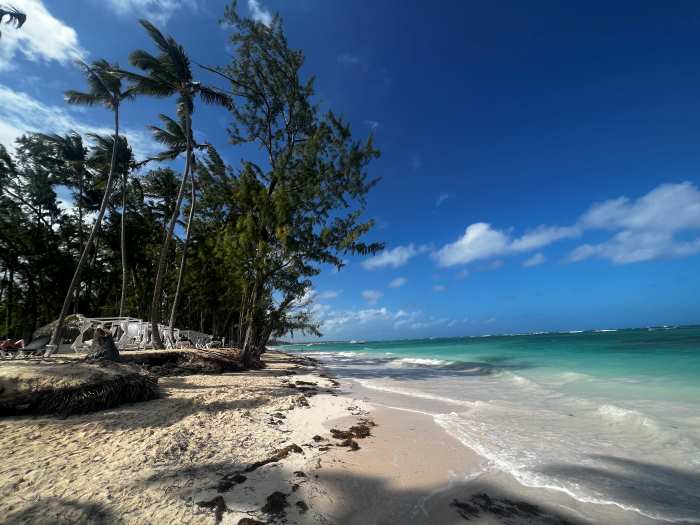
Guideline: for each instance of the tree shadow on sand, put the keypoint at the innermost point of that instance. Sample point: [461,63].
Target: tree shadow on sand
[656,489]
[304,498]
[60,511]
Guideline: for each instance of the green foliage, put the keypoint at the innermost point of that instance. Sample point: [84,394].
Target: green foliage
[259,232]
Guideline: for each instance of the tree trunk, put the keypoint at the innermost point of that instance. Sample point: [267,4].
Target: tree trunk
[160,274]
[248,350]
[181,272]
[56,336]
[81,236]
[123,245]
[10,302]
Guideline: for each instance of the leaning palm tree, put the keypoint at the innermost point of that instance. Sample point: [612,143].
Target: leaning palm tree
[172,135]
[70,149]
[169,74]
[105,88]
[14,17]
[100,156]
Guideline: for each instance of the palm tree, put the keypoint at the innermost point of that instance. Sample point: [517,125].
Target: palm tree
[71,150]
[14,17]
[101,155]
[173,136]
[105,88]
[169,74]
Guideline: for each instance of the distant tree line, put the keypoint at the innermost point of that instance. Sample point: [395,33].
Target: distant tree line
[219,249]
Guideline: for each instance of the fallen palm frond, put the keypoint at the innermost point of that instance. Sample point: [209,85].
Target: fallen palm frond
[186,360]
[68,387]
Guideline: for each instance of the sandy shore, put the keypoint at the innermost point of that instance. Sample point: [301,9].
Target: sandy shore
[258,447]
[152,462]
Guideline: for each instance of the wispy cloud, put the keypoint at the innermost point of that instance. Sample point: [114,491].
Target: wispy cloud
[20,113]
[43,38]
[373,124]
[535,260]
[157,11]
[259,13]
[349,59]
[439,288]
[328,294]
[441,199]
[395,257]
[398,282]
[372,296]
[647,228]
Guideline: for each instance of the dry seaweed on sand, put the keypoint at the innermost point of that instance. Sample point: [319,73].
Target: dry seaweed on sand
[71,387]
[218,505]
[359,431]
[276,504]
[229,481]
[482,503]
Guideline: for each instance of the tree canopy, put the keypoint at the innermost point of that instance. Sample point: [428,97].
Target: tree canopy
[258,234]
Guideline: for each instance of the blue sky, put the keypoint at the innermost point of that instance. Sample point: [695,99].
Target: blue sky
[540,162]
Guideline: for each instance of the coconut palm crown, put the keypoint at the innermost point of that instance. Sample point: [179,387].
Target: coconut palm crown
[167,74]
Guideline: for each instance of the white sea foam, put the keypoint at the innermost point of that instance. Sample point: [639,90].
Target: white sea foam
[598,438]
[420,361]
[374,385]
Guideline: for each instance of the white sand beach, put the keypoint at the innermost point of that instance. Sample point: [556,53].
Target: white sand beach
[257,447]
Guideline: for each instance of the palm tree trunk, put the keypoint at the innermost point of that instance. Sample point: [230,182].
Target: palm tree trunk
[160,274]
[123,245]
[184,256]
[56,336]
[81,235]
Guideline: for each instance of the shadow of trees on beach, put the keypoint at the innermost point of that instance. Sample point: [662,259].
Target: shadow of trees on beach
[365,500]
[656,489]
[60,511]
[362,500]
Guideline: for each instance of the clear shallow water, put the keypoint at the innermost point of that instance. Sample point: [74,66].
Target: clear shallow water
[608,417]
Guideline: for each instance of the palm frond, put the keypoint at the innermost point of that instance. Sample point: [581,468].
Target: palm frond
[79,98]
[213,96]
[160,41]
[14,17]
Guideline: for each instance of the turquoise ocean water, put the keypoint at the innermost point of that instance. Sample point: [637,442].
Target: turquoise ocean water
[609,417]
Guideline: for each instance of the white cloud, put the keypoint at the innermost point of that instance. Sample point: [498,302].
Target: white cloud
[441,199]
[373,124]
[259,13]
[481,241]
[372,296]
[42,38]
[439,288]
[645,229]
[648,227]
[329,294]
[543,236]
[20,112]
[395,257]
[398,282]
[157,11]
[349,59]
[535,260]
[335,320]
